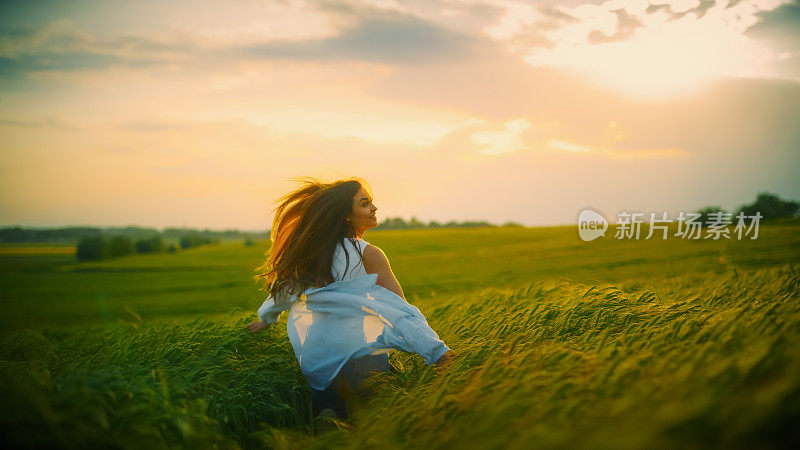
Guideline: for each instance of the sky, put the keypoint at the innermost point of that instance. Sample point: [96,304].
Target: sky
[199,113]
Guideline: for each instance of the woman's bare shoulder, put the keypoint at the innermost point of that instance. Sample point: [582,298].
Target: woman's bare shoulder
[374,258]
[373,251]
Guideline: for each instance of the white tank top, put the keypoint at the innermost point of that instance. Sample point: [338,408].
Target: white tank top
[344,269]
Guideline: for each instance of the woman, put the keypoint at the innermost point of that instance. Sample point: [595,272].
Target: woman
[347,307]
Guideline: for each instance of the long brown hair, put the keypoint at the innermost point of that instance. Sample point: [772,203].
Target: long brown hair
[309,223]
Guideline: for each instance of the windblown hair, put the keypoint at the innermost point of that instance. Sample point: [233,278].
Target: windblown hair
[309,223]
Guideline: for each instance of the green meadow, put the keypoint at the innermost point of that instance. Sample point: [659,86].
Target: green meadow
[563,344]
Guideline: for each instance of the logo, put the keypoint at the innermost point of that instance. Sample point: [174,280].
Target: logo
[591,225]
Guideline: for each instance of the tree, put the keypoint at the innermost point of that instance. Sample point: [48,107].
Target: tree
[120,246]
[150,245]
[91,248]
[770,206]
[392,223]
[12,234]
[415,223]
[193,240]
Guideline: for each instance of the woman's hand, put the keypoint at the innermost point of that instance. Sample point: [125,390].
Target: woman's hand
[257,326]
[445,362]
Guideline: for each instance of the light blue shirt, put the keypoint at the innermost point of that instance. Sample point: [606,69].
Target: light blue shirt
[351,318]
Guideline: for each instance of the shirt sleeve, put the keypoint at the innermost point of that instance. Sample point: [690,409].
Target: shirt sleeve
[269,312]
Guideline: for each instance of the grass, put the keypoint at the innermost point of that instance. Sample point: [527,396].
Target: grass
[564,344]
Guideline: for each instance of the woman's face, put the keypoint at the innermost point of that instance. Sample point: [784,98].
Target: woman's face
[362,217]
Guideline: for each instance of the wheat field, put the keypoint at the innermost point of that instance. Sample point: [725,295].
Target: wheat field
[563,344]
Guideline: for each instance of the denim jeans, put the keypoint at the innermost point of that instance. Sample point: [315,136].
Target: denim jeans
[346,392]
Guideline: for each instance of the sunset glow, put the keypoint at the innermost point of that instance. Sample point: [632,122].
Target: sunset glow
[199,113]
[662,59]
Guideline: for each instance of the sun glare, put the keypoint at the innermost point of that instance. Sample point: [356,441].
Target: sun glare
[661,61]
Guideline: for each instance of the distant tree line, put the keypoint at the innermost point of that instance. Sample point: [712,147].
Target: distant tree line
[97,247]
[73,234]
[769,206]
[393,223]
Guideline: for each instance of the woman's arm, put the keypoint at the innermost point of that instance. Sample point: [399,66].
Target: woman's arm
[268,314]
[375,261]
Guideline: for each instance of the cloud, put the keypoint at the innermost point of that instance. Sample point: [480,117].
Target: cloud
[353,32]
[626,26]
[521,135]
[700,10]
[639,153]
[49,122]
[524,26]
[780,26]
[390,39]
[728,123]
[222,109]
[647,153]
[502,141]
[779,29]
[556,15]
[61,45]
[658,51]
[63,36]
[567,146]
[151,126]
